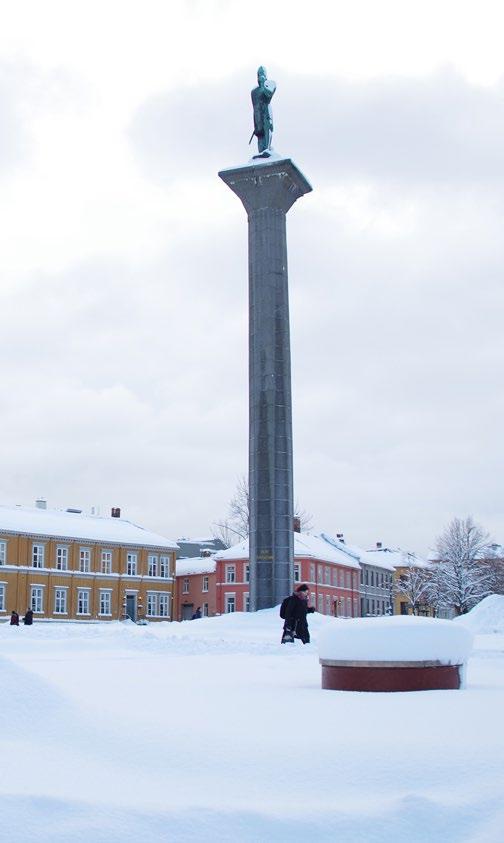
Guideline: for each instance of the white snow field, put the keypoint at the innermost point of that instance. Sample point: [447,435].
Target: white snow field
[211,730]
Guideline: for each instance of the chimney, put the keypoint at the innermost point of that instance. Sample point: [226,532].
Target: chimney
[115,512]
[340,538]
[378,545]
[296,524]
[41,503]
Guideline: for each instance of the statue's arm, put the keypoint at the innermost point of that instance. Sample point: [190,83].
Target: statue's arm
[269,88]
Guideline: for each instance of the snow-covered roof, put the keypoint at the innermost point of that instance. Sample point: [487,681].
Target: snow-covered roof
[380,557]
[397,557]
[195,565]
[306,546]
[55,523]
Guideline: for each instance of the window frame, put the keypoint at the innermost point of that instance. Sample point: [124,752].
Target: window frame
[62,591]
[37,593]
[105,593]
[131,564]
[36,556]
[106,561]
[86,592]
[84,560]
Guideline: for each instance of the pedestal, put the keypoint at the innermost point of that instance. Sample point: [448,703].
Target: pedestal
[267,190]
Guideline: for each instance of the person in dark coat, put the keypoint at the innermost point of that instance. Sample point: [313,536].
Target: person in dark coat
[295,624]
[28,618]
[14,618]
[197,614]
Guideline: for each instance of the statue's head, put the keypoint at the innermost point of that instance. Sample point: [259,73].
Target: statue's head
[261,75]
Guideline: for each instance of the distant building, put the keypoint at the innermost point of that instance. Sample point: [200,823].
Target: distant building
[333,577]
[195,587]
[190,548]
[376,577]
[66,565]
[402,561]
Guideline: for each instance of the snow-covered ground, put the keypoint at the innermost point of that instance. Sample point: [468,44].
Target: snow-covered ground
[211,730]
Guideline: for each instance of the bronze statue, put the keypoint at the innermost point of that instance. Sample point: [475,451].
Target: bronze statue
[263,120]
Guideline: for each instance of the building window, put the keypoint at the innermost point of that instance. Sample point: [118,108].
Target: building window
[348,580]
[164,566]
[328,576]
[37,599]
[2,598]
[231,574]
[328,605]
[204,610]
[230,603]
[83,601]
[153,562]
[335,578]
[158,605]
[85,560]
[62,558]
[3,553]
[185,585]
[131,564]
[297,573]
[246,602]
[60,601]
[247,573]
[106,561]
[348,607]
[37,556]
[151,605]
[313,601]
[320,573]
[106,603]
[312,572]
[321,603]
[205,584]
[164,606]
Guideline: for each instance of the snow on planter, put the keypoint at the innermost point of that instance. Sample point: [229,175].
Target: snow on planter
[403,653]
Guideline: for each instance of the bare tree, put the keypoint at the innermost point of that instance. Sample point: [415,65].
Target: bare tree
[494,564]
[460,578]
[414,584]
[236,526]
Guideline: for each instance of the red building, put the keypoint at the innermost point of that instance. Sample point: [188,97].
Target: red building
[332,576]
[221,583]
[195,587]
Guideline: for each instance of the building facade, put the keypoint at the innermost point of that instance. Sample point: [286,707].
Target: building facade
[68,566]
[195,587]
[332,577]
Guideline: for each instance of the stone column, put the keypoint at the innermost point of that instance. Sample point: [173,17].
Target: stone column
[267,190]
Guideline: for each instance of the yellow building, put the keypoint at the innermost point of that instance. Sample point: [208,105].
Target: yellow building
[66,565]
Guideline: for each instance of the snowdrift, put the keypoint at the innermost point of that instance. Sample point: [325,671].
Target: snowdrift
[486,617]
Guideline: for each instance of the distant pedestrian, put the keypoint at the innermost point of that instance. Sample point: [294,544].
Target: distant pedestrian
[295,611]
[197,614]
[28,618]
[14,619]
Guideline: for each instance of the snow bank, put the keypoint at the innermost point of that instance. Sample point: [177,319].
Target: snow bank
[487,617]
[405,638]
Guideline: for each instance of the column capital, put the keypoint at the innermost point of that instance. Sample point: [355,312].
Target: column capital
[268,184]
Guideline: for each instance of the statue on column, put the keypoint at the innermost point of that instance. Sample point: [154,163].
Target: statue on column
[263,119]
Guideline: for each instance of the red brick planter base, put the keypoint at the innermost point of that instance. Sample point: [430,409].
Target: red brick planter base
[389,676]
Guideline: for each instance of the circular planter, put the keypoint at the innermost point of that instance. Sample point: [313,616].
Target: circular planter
[389,676]
[393,654]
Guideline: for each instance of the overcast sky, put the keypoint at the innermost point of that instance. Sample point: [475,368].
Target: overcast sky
[124,268]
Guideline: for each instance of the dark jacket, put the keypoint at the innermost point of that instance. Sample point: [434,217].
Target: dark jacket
[296,625]
[14,620]
[28,618]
